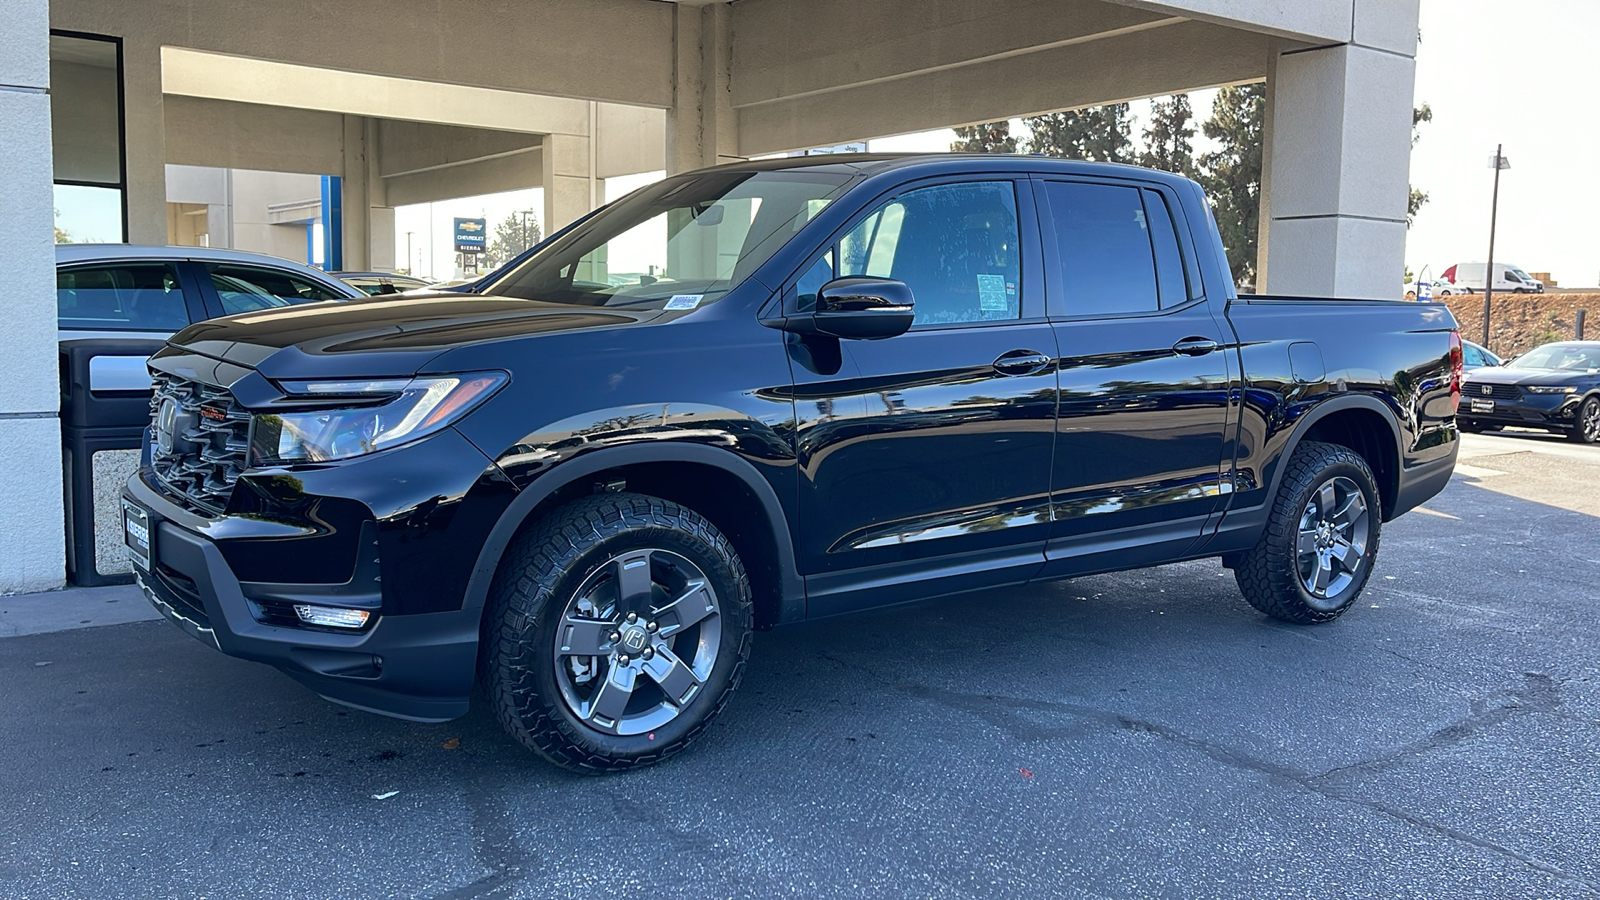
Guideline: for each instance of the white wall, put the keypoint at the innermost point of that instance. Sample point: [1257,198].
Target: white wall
[32,537]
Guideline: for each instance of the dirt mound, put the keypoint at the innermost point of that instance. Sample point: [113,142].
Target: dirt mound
[1521,322]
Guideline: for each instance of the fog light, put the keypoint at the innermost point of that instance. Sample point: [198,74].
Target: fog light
[331,616]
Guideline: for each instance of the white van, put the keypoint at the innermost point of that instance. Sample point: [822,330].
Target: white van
[1468,278]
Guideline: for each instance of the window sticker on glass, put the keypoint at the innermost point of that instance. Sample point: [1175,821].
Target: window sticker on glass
[992,293]
[684,301]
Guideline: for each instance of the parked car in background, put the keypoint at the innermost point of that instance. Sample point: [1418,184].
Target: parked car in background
[1468,278]
[127,290]
[1555,387]
[1437,289]
[147,293]
[375,283]
[1474,356]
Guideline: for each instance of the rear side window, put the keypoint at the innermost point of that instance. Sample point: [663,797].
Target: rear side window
[252,288]
[1110,239]
[128,297]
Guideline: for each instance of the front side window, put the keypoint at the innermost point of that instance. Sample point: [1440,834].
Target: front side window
[679,243]
[954,245]
[252,288]
[126,297]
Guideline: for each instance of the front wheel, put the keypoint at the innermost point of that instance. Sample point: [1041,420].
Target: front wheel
[1587,428]
[1321,539]
[620,627]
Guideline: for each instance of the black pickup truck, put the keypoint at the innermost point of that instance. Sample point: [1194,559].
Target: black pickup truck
[762,393]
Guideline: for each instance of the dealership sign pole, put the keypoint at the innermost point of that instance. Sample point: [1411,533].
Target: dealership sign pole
[1496,162]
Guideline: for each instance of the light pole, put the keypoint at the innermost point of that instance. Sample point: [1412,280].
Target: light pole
[408,253]
[1496,162]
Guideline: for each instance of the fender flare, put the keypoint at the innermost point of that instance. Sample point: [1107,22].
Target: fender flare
[1321,411]
[791,588]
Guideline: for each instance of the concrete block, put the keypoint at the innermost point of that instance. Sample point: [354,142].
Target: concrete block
[1387,25]
[28,381]
[1376,170]
[1336,257]
[25,43]
[32,537]
[1341,133]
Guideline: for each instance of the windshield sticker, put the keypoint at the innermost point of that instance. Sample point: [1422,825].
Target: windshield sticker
[684,301]
[992,293]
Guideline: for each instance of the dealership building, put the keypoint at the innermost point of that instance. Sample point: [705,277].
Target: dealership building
[167,114]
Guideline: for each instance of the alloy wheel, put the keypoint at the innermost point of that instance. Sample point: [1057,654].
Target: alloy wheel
[637,641]
[1332,544]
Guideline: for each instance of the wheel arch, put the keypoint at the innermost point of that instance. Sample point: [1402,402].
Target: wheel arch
[716,483]
[1365,425]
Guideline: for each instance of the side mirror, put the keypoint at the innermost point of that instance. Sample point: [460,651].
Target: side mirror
[858,308]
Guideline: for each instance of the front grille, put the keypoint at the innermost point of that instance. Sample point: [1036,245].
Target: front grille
[1475,391]
[210,438]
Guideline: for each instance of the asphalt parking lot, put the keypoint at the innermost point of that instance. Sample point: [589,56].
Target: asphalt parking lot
[1131,735]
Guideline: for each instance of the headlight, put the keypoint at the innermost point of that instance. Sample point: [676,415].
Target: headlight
[371,416]
[1549,389]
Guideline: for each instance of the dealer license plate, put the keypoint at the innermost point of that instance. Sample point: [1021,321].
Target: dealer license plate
[136,534]
[1482,405]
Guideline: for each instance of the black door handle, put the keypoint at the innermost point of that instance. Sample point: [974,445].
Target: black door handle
[1195,346]
[1021,362]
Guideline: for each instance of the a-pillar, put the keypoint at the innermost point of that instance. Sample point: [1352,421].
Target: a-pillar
[702,127]
[368,219]
[571,189]
[32,542]
[1337,161]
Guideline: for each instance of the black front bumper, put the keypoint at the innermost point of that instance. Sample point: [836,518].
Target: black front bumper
[1557,412]
[415,666]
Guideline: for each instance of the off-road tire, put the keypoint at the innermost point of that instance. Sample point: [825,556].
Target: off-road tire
[538,576]
[1268,573]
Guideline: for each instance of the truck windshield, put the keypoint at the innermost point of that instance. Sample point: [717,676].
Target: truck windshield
[677,244]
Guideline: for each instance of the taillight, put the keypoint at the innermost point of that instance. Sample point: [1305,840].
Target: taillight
[1457,364]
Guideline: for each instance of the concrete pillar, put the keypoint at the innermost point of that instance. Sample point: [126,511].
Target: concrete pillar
[570,186]
[1337,168]
[146,146]
[701,126]
[368,219]
[32,542]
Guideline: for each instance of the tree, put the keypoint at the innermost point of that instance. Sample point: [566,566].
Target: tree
[1169,140]
[1415,201]
[516,233]
[1095,134]
[1231,174]
[990,137]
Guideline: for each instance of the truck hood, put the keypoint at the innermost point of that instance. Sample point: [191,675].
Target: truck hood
[385,336]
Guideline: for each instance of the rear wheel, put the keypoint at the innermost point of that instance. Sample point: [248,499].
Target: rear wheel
[620,627]
[1321,539]
[1587,428]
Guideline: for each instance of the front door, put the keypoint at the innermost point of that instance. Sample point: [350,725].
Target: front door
[1144,377]
[927,455]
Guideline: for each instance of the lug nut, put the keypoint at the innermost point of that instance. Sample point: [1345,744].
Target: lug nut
[614,636]
[648,653]
[649,626]
[624,659]
[633,617]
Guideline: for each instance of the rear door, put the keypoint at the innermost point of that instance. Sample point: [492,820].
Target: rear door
[1144,376]
[928,454]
